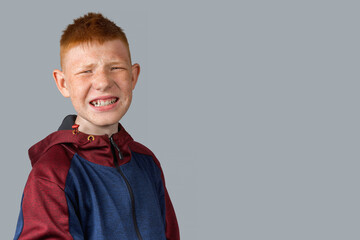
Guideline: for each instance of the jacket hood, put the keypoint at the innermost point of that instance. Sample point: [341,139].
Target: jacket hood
[82,142]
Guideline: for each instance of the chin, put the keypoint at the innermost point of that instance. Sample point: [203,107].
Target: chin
[111,119]
[107,122]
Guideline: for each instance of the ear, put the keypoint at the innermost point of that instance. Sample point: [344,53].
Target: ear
[60,83]
[135,71]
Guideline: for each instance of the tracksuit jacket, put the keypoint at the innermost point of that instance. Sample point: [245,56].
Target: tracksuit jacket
[95,187]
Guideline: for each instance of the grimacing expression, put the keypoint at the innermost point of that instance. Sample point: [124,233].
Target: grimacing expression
[99,79]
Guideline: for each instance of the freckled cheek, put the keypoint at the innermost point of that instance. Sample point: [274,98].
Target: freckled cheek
[78,95]
[127,93]
[124,87]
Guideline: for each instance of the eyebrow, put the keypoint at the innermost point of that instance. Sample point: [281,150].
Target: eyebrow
[81,67]
[91,65]
[116,62]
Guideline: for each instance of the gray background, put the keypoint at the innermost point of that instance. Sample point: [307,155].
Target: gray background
[251,107]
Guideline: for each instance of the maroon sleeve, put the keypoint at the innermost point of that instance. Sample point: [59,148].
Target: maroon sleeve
[45,211]
[172,228]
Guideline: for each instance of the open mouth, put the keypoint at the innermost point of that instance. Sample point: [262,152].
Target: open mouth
[102,103]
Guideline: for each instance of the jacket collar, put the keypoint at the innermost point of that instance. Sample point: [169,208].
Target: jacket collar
[95,148]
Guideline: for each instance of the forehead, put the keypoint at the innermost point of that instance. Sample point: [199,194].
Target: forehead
[92,52]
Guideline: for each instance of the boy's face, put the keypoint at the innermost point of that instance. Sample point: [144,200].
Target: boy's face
[99,79]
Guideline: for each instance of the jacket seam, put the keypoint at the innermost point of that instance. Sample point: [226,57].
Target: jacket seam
[47,180]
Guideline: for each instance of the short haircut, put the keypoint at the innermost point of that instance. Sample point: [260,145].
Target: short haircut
[92,27]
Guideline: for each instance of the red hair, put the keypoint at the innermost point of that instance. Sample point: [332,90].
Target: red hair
[92,27]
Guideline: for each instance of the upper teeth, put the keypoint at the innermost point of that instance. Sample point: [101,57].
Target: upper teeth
[99,103]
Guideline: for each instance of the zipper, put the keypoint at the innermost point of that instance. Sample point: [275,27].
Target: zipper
[116,163]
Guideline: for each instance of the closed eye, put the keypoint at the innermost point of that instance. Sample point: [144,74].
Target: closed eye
[84,72]
[117,68]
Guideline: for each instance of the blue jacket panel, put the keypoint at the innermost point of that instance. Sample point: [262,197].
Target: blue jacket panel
[99,199]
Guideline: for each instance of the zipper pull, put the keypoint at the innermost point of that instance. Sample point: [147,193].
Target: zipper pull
[116,146]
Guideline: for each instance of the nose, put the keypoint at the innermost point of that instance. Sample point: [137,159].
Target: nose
[102,81]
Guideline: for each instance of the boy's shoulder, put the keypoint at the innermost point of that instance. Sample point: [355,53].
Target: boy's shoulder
[142,149]
[50,146]
[50,159]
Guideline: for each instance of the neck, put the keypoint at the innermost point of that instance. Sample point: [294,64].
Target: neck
[89,128]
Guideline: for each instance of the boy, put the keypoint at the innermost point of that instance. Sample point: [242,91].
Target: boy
[90,179]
